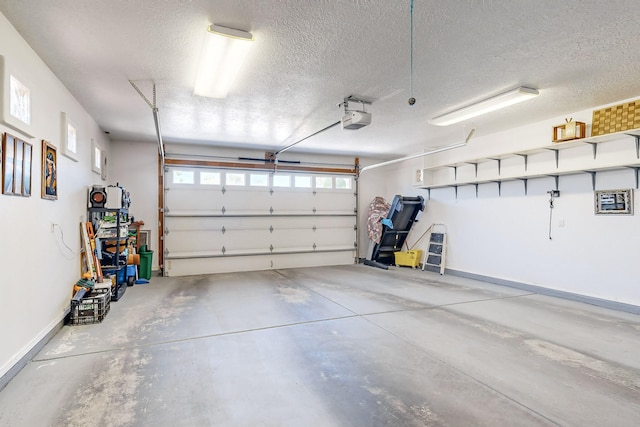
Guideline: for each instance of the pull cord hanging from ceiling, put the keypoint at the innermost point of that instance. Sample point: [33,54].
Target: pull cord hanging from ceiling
[412,100]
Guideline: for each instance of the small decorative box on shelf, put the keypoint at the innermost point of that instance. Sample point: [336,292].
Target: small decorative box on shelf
[569,131]
[616,119]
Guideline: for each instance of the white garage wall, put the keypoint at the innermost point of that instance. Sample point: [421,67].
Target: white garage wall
[134,165]
[37,271]
[507,237]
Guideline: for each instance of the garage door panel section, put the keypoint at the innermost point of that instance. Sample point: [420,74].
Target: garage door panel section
[230,264]
[259,234]
[240,220]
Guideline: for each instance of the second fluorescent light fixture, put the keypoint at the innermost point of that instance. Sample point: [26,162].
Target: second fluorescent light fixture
[223,53]
[486,106]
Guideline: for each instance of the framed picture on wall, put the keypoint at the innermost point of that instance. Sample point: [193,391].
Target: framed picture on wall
[8,160]
[49,171]
[614,202]
[27,169]
[17,167]
[15,99]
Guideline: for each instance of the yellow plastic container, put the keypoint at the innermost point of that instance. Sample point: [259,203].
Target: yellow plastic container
[409,258]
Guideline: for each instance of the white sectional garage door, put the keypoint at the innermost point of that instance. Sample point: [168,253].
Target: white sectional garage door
[225,220]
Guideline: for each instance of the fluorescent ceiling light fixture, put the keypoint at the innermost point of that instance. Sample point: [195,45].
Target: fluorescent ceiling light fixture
[486,106]
[223,53]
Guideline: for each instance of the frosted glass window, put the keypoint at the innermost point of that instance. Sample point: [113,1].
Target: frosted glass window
[182,177]
[210,178]
[282,180]
[20,100]
[302,181]
[343,183]
[259,180]
[236,179]
[324,182]
[97,158]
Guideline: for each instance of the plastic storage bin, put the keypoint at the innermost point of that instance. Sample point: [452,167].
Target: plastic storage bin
[125,272]
[92,308]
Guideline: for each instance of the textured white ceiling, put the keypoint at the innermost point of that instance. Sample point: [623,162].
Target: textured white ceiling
[309,55]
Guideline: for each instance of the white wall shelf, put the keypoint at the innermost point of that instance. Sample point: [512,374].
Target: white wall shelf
[449,176]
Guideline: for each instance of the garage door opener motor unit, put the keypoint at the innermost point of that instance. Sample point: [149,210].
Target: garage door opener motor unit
[355,119]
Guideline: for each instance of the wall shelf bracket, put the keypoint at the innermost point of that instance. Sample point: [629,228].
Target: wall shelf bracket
[499,187]
[499,165]
[476,167]
[524,182]
[557,156]
[593,179]
[557,180]
[455,172]
[594,146]
[636,171]
[526,159]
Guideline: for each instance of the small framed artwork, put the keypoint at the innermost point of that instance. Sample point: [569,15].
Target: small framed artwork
[26,169]
[8,161]
[69,140]
[15,99]
[49,171]
[96,158]
[612,202]
[17,167]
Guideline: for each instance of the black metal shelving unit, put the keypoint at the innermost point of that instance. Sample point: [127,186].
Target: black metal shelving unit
[95,215]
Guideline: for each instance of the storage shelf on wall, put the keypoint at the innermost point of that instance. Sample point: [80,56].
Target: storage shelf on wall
[94,215]
[452,180]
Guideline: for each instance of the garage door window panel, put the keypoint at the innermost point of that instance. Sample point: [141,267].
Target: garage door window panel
[183,177]
[210,178]
[235,179]
[281,181]
[259,180]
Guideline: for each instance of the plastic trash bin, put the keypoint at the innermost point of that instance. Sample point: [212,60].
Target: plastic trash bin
[146,260]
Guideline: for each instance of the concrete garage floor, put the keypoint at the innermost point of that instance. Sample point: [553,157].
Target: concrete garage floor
[334,346]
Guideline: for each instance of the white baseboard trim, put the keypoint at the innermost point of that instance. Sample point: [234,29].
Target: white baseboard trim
[20,360]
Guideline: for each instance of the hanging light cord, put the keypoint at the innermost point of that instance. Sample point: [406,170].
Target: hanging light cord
[412,100]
